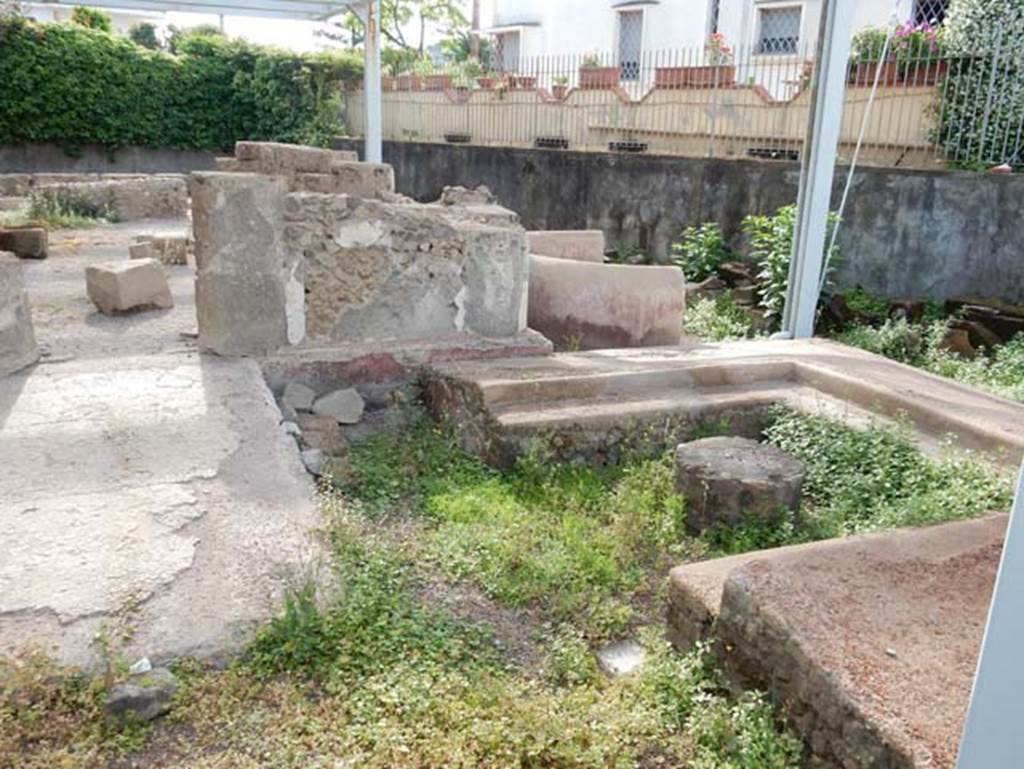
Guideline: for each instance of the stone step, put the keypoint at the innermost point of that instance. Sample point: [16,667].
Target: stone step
[598,405]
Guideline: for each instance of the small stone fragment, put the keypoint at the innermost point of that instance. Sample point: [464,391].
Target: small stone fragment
[621,658]
[128,285]
[346,406]
[140,666]
[291,428]
[298,396]
[313,459]
[146,696]
[141,251]
[322,431]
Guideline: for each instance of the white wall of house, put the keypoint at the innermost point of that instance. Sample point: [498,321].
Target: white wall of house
[553,27]
[122,19]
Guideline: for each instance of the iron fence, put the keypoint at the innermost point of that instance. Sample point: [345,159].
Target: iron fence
[914,106]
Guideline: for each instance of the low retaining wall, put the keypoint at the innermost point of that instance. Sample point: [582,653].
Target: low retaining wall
[932,234]
[91,159]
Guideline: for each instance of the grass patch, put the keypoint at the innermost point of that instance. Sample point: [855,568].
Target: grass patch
[717,319]
[56,211]
[371,674]
[582,541]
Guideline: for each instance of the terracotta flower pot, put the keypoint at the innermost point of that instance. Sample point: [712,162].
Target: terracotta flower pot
[710,76]
[599,77]
[522,82]
[409,83]
[560,91]
[486,83]
[897,73]
[437,83]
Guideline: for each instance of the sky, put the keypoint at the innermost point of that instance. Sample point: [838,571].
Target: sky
[297,35]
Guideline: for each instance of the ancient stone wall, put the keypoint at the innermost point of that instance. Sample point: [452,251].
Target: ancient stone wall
[17,339]
[279,261]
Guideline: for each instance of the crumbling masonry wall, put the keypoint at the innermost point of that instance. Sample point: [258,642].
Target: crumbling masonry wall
[280,262]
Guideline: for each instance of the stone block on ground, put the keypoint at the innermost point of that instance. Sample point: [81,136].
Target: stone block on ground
[322,431]
[143,250]
[143,697]
[279,159]
[344,406]
[135,284]
[25,242]
[578,245]
[171,249]
[729,480]
[588,306]
[298,397]
[17,338]
[868,644]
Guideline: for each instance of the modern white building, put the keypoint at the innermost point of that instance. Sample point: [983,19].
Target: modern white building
[123,19]
[630,29]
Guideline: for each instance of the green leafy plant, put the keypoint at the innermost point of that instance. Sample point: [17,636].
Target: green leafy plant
[717,319]
[144,34]
[74,86]
[92,18]
[700,250]
[982,38]
[770,244]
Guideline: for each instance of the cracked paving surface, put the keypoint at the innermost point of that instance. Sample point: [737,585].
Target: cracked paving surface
[142,484]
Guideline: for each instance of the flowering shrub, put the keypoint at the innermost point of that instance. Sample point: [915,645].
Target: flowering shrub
[718,51]
[982,108]
[911,44]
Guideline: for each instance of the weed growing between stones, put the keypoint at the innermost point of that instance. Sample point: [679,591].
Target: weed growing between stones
[56,211]
[717,319]
[919,345]
[867,480]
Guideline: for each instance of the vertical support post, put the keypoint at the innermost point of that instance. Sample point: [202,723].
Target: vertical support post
[818,170]
[992,731]
[373,120]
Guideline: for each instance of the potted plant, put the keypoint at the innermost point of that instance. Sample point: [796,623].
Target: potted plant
[914,56]
[594,75]
[522,82]
[487,81]
[560,87]
[717,71]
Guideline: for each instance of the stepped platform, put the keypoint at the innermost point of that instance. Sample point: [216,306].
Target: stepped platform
[599,406]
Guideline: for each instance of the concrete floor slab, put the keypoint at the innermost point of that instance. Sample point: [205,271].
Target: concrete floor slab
[144,485]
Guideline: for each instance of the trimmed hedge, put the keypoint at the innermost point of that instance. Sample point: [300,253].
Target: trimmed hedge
[74,86]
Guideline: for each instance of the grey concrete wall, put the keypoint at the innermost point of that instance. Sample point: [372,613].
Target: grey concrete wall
[53,159]
[907,233]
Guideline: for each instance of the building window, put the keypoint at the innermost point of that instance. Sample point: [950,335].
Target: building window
[506,52]
[778,30]
[930,11]
[631,29]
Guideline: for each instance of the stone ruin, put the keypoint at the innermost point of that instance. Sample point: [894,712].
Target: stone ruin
[298,245]
[18,346]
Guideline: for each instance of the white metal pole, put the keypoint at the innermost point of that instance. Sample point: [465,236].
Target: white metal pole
[992,731]
[374,149]
[819,162]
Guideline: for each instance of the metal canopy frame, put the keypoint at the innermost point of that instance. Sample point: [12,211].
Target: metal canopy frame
[301,10]
[991,736]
